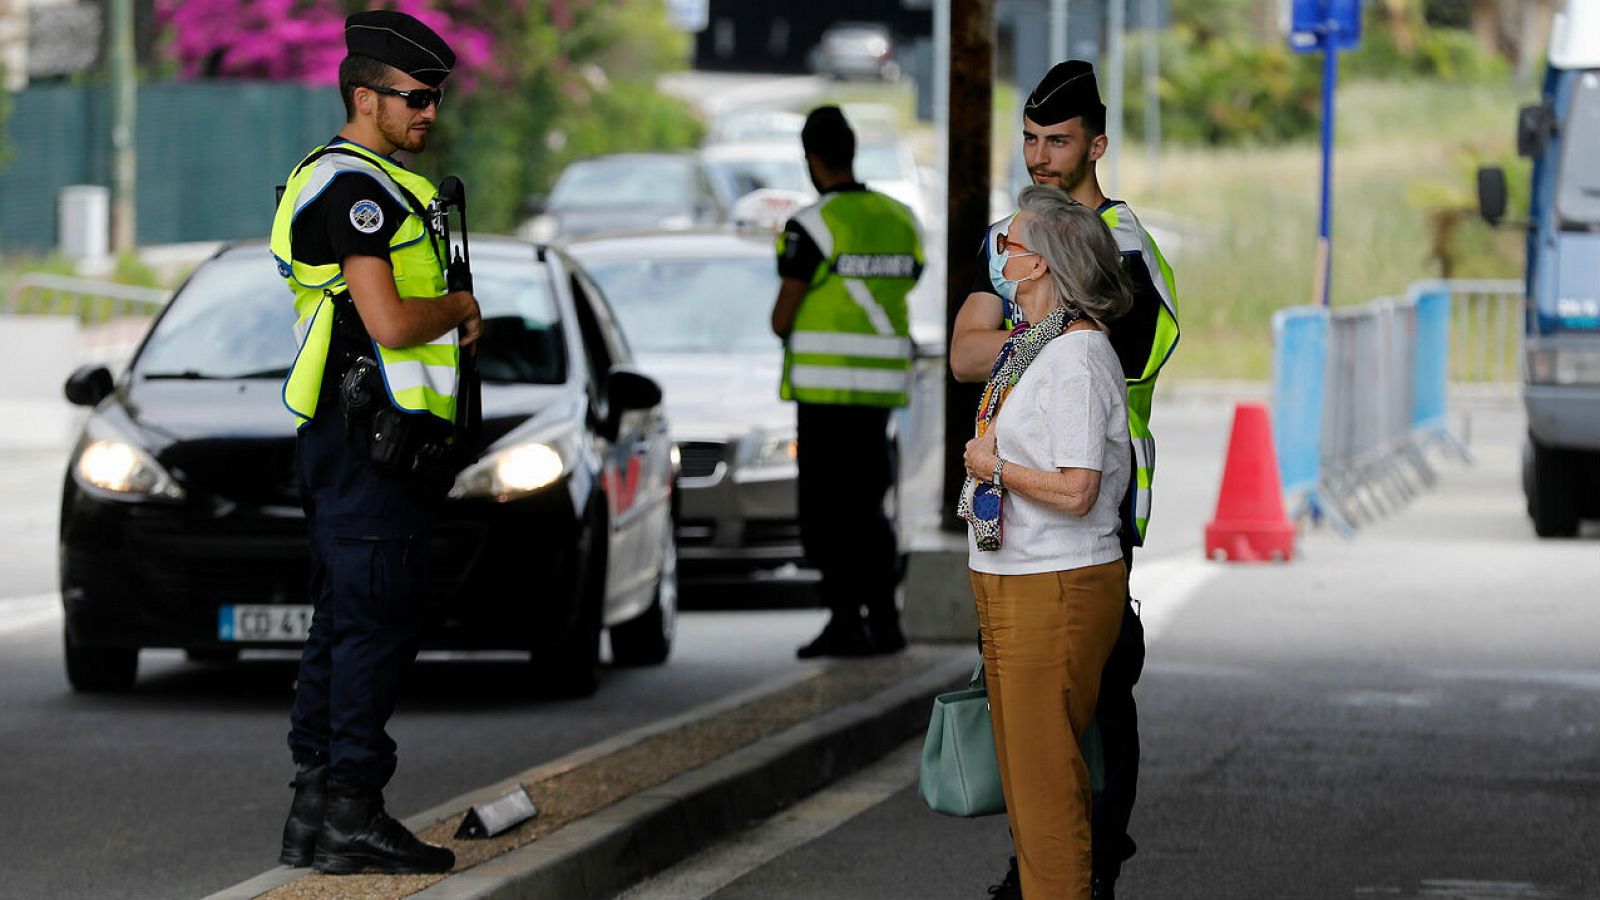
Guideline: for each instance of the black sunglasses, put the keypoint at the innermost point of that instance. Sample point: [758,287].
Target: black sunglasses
[418,98]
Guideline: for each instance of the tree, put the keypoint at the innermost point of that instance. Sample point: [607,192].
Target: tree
[537,83]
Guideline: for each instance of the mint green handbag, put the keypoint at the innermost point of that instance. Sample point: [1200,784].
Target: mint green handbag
[960,773]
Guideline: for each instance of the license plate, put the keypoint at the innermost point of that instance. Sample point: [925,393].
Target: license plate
[263,623]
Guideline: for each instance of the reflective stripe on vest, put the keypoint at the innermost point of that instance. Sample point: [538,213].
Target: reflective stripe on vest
[420,379]
[850,343]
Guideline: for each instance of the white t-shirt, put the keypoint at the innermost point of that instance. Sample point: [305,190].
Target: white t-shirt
[1068,410]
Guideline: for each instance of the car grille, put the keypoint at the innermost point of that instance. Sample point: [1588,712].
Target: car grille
[265,563]
[771,531]
[698,459]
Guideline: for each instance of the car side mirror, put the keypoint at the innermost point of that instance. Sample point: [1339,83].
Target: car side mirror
[625,390]
[89,385]
[1535,122]
[1492,194]
[628,389]
[535,205]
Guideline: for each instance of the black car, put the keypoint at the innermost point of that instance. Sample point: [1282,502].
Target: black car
[181,523]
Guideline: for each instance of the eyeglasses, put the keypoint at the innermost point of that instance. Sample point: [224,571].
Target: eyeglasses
[1004,245]
[417,98]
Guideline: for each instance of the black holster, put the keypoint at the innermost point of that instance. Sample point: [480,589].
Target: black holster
[409,445]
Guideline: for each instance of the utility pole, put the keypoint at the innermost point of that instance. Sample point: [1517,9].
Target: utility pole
[971,99]
[1058,32]
[1117,29]
[1152,94]
[124,92]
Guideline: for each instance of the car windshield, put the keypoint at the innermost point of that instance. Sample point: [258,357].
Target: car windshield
[746,175]
[880,162]
[1578,182]
[630,181]
[235,319]
[692,305]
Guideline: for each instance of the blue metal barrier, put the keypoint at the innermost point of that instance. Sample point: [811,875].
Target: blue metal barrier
[1299,374]
[1359,398]
[1431,375]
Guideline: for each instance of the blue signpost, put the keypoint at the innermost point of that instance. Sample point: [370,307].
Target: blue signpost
[1328,26]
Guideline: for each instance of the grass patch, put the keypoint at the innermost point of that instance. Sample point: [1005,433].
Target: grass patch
[1245,220]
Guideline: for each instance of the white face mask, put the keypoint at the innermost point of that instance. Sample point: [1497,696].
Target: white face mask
[1007,287]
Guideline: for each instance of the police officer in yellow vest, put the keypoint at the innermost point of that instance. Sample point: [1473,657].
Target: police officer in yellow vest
[380,341]
[847,263]
[1063,135]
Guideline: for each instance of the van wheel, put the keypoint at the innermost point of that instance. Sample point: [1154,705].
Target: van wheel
[647,639]
[1553,499]
[100,669]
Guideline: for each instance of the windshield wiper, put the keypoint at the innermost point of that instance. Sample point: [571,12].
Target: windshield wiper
[194,375]
[186,375]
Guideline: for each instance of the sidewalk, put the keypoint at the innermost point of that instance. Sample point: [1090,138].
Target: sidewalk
[618,811]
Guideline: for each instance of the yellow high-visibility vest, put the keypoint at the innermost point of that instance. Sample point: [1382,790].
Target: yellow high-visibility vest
[851,342]
[422,379]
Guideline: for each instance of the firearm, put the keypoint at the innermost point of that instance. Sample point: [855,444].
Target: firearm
[458,277]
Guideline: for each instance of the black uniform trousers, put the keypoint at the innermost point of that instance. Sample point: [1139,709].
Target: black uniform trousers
[1118,718]
[369,536]
[846,467]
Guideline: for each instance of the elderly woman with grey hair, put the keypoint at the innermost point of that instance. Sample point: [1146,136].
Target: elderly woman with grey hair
[1047,471]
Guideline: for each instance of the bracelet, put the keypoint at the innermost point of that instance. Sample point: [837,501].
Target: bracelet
[999,466]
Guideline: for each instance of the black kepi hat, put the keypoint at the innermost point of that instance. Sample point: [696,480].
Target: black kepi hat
[400,41]
[1066,91]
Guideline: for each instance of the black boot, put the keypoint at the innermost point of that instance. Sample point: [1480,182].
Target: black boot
[305,816]
[886,634]
[845,635]
[359,836]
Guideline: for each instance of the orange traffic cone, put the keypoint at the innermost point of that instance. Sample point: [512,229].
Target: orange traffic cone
[1250,525]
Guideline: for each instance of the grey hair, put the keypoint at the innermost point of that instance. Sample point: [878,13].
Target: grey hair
[1085,266]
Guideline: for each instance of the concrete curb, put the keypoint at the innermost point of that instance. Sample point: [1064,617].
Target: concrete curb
[603,853]
[274,878]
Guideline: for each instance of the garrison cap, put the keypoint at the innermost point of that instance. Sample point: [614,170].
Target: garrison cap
[399,40]
[1068,90]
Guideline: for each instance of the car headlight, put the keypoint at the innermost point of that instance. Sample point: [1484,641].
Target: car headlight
[119,468]
[1557,364]
[513,472]
[775,451]
[768,456]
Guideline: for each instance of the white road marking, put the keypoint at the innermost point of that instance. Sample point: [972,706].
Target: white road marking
[710,871]
[1164,585]
[20,614]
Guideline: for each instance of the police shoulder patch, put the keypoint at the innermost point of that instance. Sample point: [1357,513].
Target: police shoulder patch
[366,216]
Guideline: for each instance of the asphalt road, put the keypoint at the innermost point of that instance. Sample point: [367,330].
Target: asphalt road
[1411,714]
[179,788]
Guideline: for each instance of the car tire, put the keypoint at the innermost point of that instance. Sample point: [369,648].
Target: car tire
[646,640]
[92,670]
[1554,497]
[569,668]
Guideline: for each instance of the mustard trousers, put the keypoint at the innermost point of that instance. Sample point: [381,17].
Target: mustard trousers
[1045,639]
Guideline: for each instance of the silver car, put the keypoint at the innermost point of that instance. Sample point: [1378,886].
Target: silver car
[695,306]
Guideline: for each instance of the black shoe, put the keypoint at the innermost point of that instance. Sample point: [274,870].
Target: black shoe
[1010,887]
[836,639]
[887,636]
[359,836]
[305,816]
[1102,887]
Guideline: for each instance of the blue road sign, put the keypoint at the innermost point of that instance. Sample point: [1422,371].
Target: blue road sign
[1309,20]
